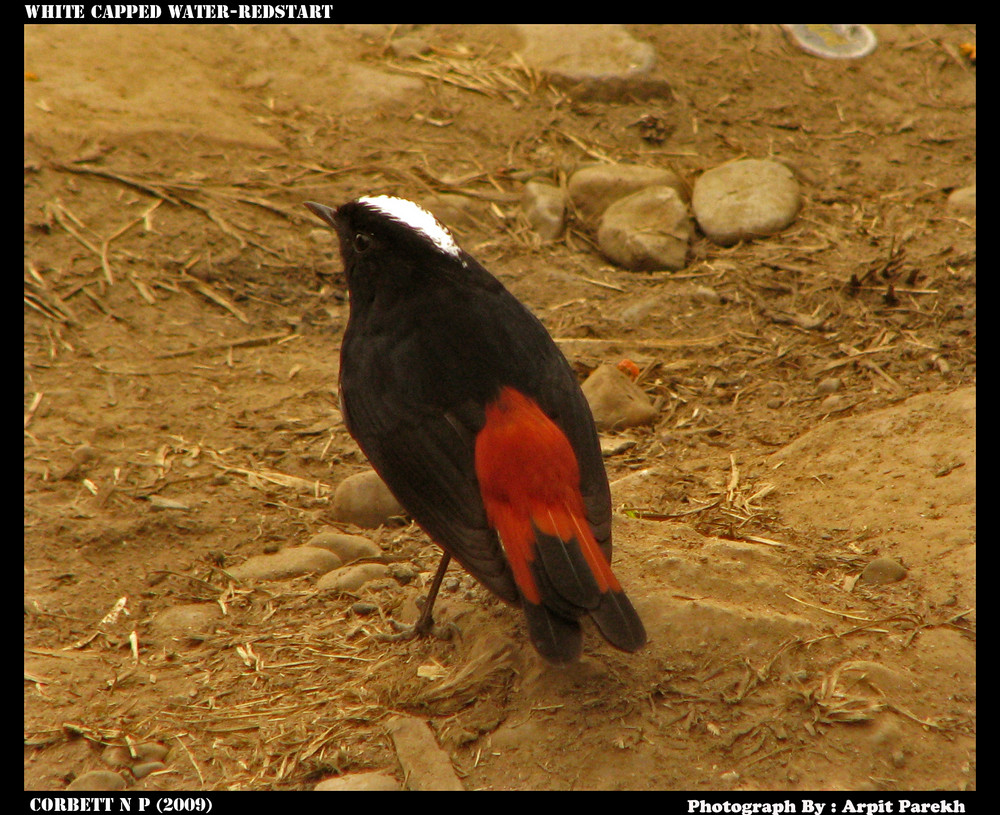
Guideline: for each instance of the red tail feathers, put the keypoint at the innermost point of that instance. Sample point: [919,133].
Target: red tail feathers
[530,482]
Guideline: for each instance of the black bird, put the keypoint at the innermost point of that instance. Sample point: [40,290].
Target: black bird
[476,422]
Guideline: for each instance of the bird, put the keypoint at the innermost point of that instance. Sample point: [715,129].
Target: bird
[474,419]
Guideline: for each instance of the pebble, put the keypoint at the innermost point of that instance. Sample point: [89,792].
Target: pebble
[594,188]
[615,446]
[833,403]
[963,199]
[411,46]
[615,400]
[151,751]
[348,548]
[364,500]
[597,63]
[352,578]
[294,562]
[882,570]
[647,230]
[544,206]
[707,294]
[360,782]
[638,311]
[115,756]
[98,781]
[85,454]
[255,80]
[192,621]
[144,769]
[745,199]
[402,573]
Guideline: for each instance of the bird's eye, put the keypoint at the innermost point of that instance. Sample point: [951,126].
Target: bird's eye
[362,242]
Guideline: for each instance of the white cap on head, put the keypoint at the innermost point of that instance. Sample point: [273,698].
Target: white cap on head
[417,218]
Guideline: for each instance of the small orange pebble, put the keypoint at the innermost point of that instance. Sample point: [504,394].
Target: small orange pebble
[629,368]
[969,49]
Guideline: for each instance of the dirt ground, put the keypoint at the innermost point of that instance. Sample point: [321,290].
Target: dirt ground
[181,327]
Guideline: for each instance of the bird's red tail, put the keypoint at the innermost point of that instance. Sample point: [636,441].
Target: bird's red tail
[530,483]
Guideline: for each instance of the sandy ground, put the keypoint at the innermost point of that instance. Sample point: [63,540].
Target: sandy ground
[182,320]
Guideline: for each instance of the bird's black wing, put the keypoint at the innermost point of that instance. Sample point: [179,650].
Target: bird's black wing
[426,456]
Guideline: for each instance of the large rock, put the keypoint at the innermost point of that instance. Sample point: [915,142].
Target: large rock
[647,231]
[594,188]
[347,547]
[745,199]
[364,500]
[288,563]
[189,621]
[373,781]
[352,578]
[594,62]
[615,400]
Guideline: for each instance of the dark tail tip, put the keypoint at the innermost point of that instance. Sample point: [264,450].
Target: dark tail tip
[618,621]
[558,639]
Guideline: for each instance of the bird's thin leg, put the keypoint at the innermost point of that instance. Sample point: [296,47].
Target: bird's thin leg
[425,623]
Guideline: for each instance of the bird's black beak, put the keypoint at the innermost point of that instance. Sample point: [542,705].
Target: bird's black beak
[323,212]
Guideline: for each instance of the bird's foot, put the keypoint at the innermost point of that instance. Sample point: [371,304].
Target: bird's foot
[420,629]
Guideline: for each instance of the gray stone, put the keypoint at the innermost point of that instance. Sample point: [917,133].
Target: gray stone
[882,570]
[116,756]
[706,294]
[545,208]
[360,782]
[593,189]
[352,578]
[593,62]
[745,199]
[151,751]
[147,767]
[615,400]
[647,230]
[98,781]
[364,500]
[639,310]
[410,46]
[834,402]
[288,563]
[347,547]
[963,199]
[193,621]
[257,79]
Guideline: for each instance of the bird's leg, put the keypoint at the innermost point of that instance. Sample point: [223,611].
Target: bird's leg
[425,623]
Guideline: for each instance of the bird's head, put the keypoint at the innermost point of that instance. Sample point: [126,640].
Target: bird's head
[382,235]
